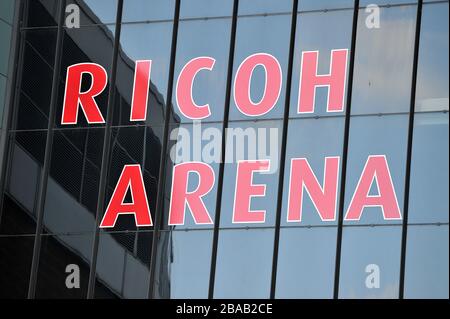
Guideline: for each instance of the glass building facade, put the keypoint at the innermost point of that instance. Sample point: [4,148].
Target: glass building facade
[56,180]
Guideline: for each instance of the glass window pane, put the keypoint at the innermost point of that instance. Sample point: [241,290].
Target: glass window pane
[16,254]
[27,157]
[184,263]
[251,141]
[57,253]
[5,35]
[244,263]
[147,10]
[376,135]
[134,145]
[7,10]
[206,8]
[308,5]
[96,11]
[264,6]
[432,68]
[426,267]
[78,48]
[156,47]
[323,32]
[370,262]
[2,97]
[123,263]
[268,34]
[384,2]
[313,139]
[37,67]
[306,262]
[428,194]
[197,142]
[74,180]
[383,62]
[41,13]
[205,38]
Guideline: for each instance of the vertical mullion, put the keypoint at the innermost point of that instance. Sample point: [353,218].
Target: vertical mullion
[409,151]
[223,149]
[43,179]
[283,149]
[11,98]
[345,150]
[105,153]
[162,164]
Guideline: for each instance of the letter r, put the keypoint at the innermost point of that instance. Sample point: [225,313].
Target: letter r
[73,97]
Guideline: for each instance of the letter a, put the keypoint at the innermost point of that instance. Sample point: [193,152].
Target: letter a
[131,178]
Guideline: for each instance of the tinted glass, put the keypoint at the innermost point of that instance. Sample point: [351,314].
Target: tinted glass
[376,135]
[7,10]
[370,262]
[5,35]
[37,62]
[323,32]
[383,62]
[244,263]
[432,75]
[123,264]
[184,262]
[264,6]
[426,269]
[306,262]
[314,140]
[134,145]
[308,5]
[41,13]
[72,189]
[2,97]
[252,141]
[64,266]
[147,10]
[78,48]
[205,8]
[95,11]
[428,194]
[156,47]
[15,262]
[205,38]
[197,142]
[272,38]
[23,181]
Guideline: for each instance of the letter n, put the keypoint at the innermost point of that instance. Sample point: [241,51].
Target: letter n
[324,198]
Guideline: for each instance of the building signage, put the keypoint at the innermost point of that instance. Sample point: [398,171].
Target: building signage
[302,179]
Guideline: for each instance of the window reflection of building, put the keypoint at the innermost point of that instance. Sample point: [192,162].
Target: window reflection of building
[69,213]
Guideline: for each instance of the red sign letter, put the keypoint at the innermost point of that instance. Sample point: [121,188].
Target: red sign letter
[181,196]
[73,96]
[131,177]
[140,90]
[324,199]
[335,81]
[376,168]
[185,81]
[272,87]
[245,190]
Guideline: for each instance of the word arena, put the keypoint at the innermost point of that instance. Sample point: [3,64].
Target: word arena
[302,180]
